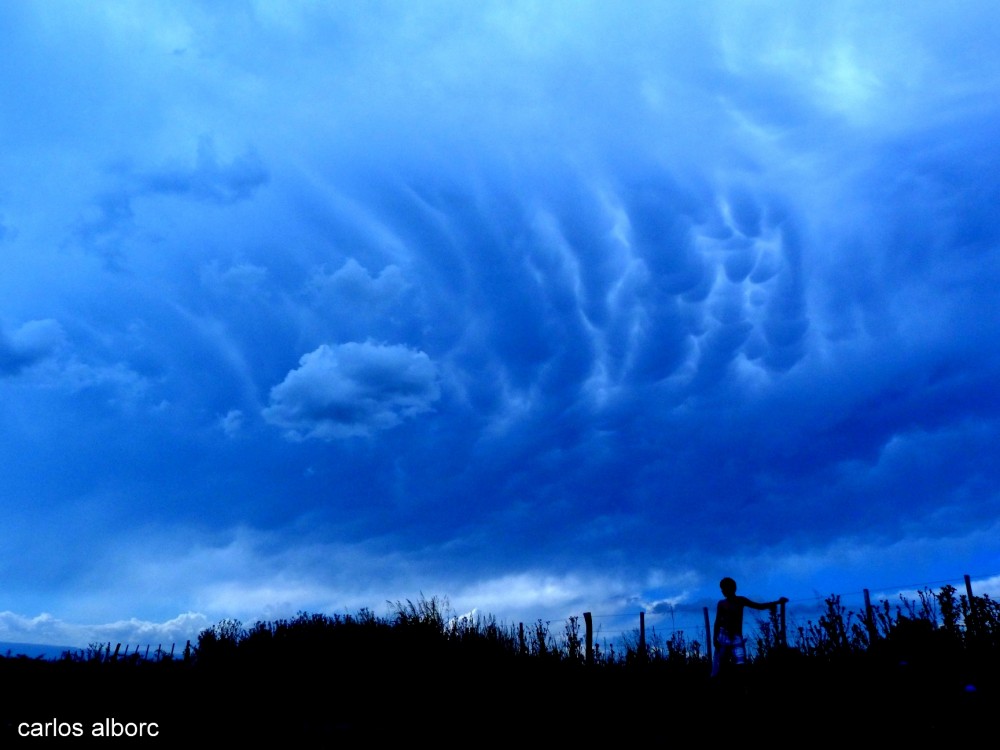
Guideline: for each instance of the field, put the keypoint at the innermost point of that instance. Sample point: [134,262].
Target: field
[917,669]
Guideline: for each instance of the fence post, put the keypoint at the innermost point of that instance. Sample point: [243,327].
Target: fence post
[972,609]
[588,622]
[708,635]
[522,646]
[642,636]
[782,638]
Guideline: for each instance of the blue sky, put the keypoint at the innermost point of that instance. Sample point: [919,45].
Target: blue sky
[541,307]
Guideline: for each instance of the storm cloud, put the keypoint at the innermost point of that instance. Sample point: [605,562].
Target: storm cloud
[545,308]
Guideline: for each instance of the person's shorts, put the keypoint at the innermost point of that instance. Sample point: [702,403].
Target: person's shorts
[732,647]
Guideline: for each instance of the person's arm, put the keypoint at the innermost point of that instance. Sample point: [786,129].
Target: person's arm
[715,627]
[765,605]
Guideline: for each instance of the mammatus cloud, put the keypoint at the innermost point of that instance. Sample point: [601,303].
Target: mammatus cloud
[112,217]
[356,302]
[353,389]
[33,342]
[702,287]
[208,180]
[353,285]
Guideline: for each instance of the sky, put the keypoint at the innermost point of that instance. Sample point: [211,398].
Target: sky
[541,308]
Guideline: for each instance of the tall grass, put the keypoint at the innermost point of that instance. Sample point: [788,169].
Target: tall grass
[931,621]
[318,675]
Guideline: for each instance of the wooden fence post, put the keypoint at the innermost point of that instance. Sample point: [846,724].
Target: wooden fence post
[708,635]
[642,636]
[972,627]
[782,638]
[588,621]
[522,646]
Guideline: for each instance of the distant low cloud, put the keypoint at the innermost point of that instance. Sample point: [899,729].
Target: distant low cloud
[48,630]
[353,389]
[33,342]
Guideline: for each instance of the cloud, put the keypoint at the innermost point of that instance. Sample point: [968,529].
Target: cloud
[685,285]
[33,342]
[353,303]
[209,180]
[254,574]
[352,286]
[242,280]
[48,630]
[353,389]
[232,422]
[113,216]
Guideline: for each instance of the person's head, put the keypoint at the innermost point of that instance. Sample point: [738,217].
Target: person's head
[728,586]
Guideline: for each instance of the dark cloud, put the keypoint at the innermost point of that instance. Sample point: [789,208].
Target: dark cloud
[688,287]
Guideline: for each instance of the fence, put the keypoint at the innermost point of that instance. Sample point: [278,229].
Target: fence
[103,653]
[636,638]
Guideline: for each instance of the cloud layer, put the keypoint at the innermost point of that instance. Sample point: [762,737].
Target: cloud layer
[567,306]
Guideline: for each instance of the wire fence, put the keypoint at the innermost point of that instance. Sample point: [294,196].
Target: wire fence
[689,622]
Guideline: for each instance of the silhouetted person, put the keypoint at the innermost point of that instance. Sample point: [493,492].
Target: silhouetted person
[727,634]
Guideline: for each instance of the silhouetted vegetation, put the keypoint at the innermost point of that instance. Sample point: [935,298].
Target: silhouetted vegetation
[917,666]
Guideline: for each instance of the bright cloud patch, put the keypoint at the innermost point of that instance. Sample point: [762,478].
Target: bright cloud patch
[353,389]
[46,629]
